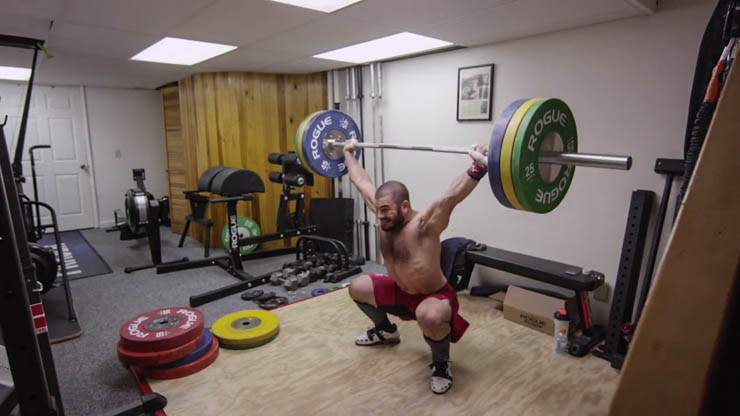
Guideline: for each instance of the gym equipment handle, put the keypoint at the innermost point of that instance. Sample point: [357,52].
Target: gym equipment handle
[578,159]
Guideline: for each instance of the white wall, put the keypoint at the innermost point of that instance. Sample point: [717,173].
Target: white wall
[627,83]
[126,132]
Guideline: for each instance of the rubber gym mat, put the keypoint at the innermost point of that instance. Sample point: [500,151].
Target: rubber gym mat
[81,258]
[57,317]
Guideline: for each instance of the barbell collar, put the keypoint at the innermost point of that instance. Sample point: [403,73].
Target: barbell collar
[576,159]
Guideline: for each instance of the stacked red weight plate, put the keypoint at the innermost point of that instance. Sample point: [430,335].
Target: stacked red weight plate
[167,343]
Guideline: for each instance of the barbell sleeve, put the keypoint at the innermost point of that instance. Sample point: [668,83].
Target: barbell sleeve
[559,158]
[588,160]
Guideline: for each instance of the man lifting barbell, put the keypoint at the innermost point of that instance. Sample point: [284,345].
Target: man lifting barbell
[529,133]
[414,287]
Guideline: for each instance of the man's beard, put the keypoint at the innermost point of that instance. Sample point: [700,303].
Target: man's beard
[394,225]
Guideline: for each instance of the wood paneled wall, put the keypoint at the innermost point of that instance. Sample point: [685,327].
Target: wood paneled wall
[175,157]
[236,119]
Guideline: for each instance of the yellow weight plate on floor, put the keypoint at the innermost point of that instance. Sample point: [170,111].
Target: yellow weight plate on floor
[244,347]
[299,139]
[506,150]
[246,327]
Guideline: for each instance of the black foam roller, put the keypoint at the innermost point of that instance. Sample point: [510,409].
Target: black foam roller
[275,158]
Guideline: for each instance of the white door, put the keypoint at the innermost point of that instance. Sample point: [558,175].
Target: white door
[56,118]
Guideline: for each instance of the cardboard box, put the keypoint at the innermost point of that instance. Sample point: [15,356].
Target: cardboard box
[535,310]
[498,300]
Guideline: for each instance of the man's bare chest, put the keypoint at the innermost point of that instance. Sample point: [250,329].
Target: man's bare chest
[400,247]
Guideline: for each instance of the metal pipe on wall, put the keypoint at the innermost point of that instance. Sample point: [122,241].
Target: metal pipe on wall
[379,72]
[346,81]
[382,152]
[372,80]
[330,88]
[335,82]
[372,119]
[380,80]
[373,104]
[352,80]
[358,87]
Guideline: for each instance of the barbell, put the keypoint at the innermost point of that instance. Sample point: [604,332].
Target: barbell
[532,152]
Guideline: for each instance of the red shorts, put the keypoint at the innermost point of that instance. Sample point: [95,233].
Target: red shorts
[391,299]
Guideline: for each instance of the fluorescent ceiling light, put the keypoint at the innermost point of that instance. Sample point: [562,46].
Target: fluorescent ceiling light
[326,6]
[181,51]
[384,48]
[15,73]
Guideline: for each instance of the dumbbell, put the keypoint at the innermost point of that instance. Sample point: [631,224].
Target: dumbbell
[303,266]
[291,283]
[317,273]
[304,278]
[330,277]
[317,260]
[276,278]
[357,260]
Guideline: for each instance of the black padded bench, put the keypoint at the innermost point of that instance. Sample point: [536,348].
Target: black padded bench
[547,271]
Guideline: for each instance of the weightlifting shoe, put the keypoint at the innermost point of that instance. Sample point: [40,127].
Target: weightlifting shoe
[441,380]
[375,336]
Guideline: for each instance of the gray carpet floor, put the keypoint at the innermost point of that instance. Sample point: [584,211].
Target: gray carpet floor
[91,378]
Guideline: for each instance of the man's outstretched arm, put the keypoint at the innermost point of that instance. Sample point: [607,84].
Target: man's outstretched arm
[437,215]
[359,177]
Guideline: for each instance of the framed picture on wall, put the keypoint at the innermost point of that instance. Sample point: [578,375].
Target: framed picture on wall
[474,92]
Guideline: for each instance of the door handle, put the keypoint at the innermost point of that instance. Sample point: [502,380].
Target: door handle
[83,167]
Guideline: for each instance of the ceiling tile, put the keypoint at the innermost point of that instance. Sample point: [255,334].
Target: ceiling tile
[526,18]
[325,34]
[145,16]
[242,22]
[40,9]
[24,26]
[304,66]
[409,14]
[93,39]
[244,59]
[70,69]
[89,40]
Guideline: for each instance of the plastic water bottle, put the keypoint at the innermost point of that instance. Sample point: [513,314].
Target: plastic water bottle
[561,331]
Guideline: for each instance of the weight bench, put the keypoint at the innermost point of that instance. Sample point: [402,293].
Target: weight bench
[558,274]
[198,205]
